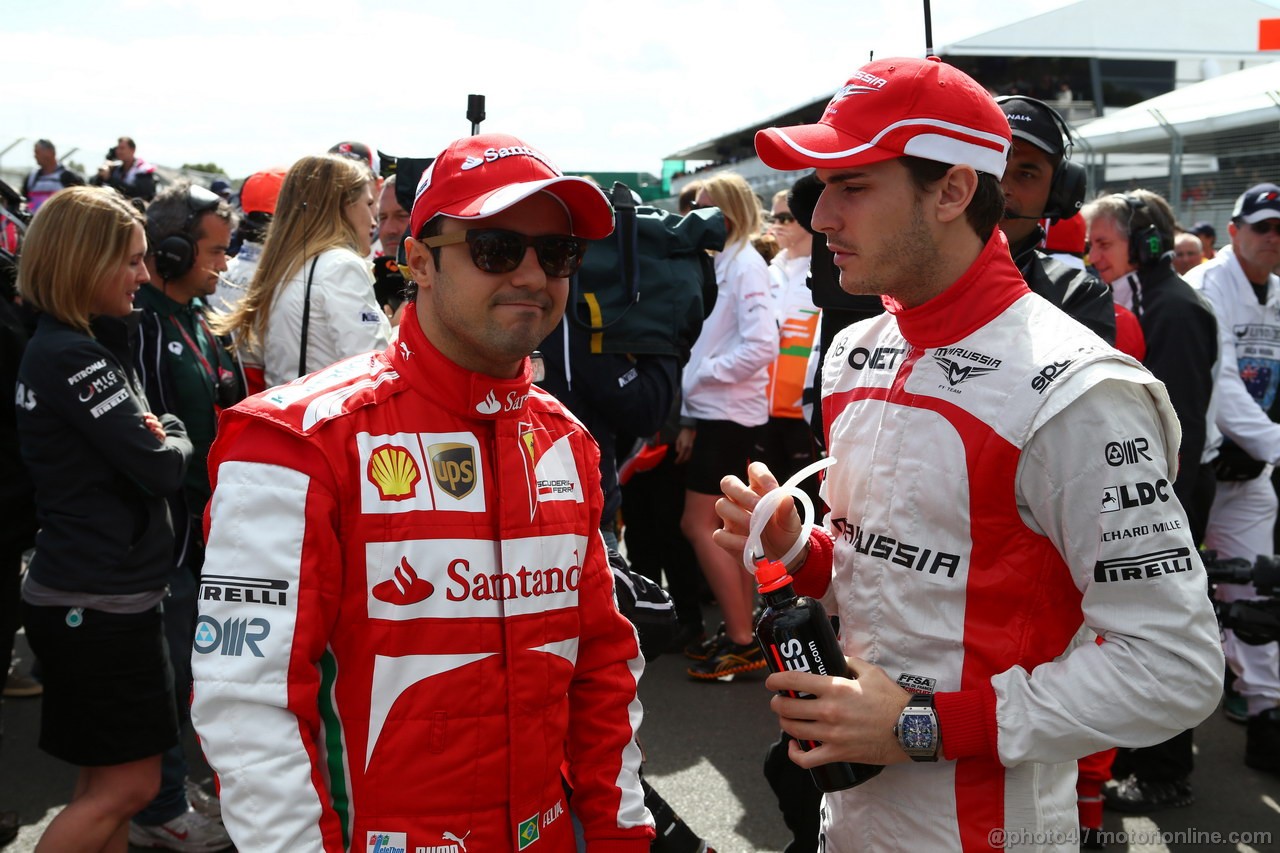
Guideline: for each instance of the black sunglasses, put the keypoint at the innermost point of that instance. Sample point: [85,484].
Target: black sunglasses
[201,200]
[496,250]
[782,218]
[1265,226]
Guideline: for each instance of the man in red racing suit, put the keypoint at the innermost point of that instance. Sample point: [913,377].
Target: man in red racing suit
[407,621]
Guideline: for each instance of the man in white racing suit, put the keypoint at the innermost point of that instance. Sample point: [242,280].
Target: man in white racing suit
[408,639]
[1002,484]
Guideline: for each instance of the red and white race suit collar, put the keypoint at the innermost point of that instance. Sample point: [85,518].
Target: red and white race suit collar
[454,388]
[991,284]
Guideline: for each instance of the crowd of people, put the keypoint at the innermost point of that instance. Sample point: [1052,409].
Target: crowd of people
[336,475]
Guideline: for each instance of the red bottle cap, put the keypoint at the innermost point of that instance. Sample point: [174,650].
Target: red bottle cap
[771,575]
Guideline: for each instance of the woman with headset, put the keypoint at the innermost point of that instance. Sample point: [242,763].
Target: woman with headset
[102,465]
[311,301]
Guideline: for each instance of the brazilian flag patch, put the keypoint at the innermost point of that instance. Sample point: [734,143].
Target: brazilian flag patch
[527,832]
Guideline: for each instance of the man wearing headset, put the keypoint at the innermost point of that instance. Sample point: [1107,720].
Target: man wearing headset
[1039,184]
[1131,247]
[186,373]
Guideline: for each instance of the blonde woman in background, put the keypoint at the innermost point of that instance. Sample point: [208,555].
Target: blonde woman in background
[312,279]
[725,406]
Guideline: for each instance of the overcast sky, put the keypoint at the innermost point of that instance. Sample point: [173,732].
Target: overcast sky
[597,85]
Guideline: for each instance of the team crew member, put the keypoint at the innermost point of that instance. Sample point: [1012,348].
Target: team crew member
[186,372]
[1041,184]
[407,614]
[1130,245]
[981,452]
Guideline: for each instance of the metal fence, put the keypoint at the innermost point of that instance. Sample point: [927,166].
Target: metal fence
[1201,176]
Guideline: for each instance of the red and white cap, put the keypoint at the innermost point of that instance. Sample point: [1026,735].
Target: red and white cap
[483,175]
[895,107]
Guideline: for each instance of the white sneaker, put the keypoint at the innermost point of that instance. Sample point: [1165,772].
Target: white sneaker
[191,833]
[202,801]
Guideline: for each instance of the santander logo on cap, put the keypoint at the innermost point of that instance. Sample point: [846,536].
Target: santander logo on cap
[491,155]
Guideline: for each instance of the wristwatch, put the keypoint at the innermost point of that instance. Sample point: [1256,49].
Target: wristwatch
[917,729]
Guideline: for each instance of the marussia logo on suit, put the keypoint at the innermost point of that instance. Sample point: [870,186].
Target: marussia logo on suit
[956,372]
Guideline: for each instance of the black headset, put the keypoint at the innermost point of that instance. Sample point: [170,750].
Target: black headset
[1067,190]
[1146,243]
[175,255]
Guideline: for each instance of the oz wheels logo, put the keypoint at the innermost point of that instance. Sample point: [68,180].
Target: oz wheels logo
[231,637]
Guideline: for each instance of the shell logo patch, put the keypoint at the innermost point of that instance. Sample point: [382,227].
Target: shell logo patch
[394,472]
[420,472]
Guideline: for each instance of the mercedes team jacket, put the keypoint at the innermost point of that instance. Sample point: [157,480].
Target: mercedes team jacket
[1002,479]
[407,623]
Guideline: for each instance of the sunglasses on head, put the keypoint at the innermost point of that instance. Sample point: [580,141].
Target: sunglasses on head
[1265,226]
[201,200]
[496,250]
[782,218]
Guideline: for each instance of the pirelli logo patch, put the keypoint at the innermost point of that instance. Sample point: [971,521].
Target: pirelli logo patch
[1144,566]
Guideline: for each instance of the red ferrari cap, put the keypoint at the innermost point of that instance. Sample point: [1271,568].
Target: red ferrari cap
[479,176]
[895,107]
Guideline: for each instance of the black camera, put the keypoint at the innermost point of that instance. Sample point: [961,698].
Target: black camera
[1255,622]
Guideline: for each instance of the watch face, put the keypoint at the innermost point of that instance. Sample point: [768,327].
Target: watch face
[916,732]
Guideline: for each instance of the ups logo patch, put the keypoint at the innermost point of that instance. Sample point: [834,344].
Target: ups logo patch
[454,467]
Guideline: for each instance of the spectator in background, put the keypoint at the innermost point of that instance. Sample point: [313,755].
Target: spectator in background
[48,177]
[127,173]
[311,301]
[221,188]
[357,152]
[102,465]
[17,495]
[688,199]
[393,223]
[1246,296]
[393,220]
[1208,236]
[725,405]
[786,443]
[653,498]
[1188,252]
[257,204]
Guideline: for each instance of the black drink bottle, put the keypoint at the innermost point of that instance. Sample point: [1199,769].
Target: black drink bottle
[795,634]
